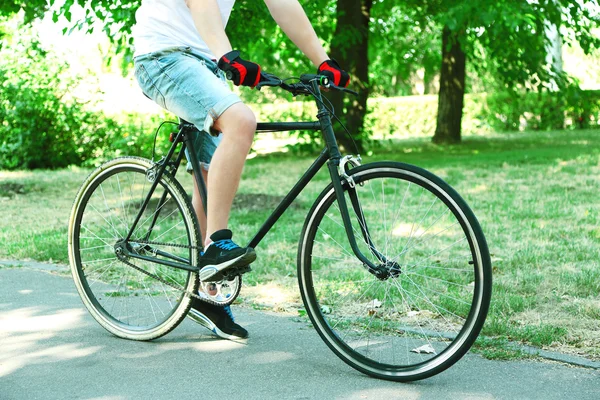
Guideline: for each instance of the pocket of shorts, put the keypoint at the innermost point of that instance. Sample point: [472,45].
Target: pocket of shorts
[211,65]
[167,62]
[148,86]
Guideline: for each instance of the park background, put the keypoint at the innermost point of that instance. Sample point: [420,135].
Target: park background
[501,99]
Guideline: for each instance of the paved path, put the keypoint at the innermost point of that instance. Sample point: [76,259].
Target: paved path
[50,348]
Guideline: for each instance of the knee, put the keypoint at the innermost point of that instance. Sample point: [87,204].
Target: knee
[247,119]
[240,121]
[246,124]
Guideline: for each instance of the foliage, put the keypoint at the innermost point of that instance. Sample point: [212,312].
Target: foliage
[413,116]
[509,36]
[506,37]
[402,45]
[398,47]
[504,41]
[43,126]
[31,9]
[545,110]
[390,118]
[134,136]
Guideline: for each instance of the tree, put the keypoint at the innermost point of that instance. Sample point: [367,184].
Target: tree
[505,35]
[502,36]
[451,97]
[350,47]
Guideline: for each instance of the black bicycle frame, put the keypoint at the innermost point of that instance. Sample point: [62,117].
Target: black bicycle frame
[330,156]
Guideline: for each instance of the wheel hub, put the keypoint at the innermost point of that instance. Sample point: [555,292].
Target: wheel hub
[122,249]
[386,270]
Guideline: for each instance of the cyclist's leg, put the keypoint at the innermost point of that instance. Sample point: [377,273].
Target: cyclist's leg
[238,125]
[187,85]
[205,146]
[192,87]
[197,203]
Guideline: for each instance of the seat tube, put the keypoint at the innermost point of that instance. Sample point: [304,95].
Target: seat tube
[197,168]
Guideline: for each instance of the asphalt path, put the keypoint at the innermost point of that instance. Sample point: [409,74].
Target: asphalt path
[51,348]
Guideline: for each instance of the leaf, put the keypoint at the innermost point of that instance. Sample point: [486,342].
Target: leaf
[375,303]
[425,349]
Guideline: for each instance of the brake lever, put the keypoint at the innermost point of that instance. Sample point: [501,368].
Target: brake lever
[342,89]
[270,80]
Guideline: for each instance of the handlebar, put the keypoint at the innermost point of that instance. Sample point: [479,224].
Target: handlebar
[303,87]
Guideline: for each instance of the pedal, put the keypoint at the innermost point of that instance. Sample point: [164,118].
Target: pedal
[220,293]
[207,274]
[231,273]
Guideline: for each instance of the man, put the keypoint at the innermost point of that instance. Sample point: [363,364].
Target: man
[177,45]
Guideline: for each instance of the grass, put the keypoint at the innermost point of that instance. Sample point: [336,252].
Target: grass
[535,194]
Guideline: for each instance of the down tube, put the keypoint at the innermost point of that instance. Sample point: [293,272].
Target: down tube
[289,198]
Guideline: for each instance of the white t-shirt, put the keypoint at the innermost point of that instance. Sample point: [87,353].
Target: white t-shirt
[161,24]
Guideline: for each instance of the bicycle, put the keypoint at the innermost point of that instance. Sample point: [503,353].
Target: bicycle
[393,267]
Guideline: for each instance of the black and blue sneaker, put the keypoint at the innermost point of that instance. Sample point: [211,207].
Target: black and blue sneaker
[218,319]
[223,259]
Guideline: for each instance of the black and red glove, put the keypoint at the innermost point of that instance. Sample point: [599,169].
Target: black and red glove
[334,72]
[241,72]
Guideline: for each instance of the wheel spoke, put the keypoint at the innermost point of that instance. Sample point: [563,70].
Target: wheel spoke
[126,301]
[419,311]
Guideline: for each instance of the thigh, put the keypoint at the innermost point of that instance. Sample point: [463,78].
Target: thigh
[191,87]
[186,84]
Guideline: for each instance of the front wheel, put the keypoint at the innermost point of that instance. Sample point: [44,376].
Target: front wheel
[423,309]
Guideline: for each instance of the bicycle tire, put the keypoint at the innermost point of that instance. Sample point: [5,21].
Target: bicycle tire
[420,322]
[123,300]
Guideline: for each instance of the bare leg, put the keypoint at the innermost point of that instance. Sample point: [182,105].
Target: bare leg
[238,125]
[198,207]
[199,210]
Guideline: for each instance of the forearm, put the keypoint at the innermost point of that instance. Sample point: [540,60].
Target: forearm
[208,21]
[292,19]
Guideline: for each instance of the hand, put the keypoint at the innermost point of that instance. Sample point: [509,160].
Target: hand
[334,72]
[241,72]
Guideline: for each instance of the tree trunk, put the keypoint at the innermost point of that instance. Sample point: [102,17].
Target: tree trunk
[350,47]
[429,81]
[452,90]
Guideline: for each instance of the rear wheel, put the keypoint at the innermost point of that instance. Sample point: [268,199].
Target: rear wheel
[425,312]
[126,301]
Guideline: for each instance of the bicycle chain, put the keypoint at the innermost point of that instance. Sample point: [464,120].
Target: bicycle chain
[172,285]
[181,246]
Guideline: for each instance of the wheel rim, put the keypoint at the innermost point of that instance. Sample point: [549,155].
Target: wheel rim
[127,300]
[409,324]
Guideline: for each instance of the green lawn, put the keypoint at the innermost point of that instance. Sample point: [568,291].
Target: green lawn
[535,194]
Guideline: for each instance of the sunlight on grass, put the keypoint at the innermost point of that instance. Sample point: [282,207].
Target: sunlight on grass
[14,174]
[535,195]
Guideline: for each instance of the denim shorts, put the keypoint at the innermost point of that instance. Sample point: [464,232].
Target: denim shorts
[191,86]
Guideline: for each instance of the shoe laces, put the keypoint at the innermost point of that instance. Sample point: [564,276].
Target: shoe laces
[226,244]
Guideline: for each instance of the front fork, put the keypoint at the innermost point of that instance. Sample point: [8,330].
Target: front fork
[339,176]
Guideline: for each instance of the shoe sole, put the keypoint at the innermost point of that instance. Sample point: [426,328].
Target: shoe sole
[214,273]
[201,319]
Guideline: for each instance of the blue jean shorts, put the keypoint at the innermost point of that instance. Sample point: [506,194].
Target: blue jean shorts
[191,86]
